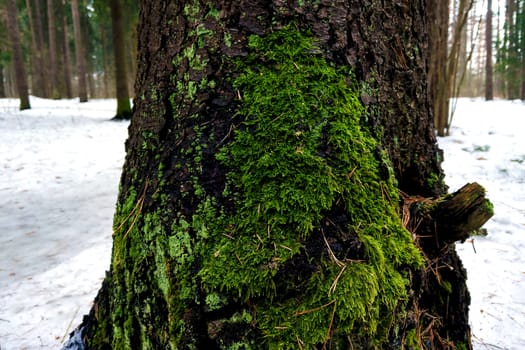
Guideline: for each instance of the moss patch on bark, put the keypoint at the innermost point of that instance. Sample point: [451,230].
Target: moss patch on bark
[300,154]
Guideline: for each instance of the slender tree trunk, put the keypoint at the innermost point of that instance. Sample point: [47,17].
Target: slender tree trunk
[36,74]
[2,81]
[2,66]
[79,53]
[511,50]
[259,199]
[53,68]
[105,63]
[121,77]
[18,60]
[67,54]
[489,84]
[43,70]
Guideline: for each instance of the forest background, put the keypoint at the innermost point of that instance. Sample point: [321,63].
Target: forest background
[87,48]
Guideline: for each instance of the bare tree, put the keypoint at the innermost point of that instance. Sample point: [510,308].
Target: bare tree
[489,80]
[121,76]
[53,68]
[18,60]
[79,53]
[66,67]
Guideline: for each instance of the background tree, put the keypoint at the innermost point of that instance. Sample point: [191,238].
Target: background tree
[53,68]
[121,76]
[18,60]
[489,83]
[79,53]
[259,198]
[5,57]
[448,64]
[66,52]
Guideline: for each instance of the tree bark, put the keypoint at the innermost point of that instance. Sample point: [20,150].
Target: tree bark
[67,53]
[2,84]
[79,53]
[121,76]
[259,199]
[18,60]
[2,64]
[439,84]
[489,80]
[53,68]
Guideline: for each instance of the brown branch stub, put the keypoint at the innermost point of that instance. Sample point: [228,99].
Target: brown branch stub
[464,212]
[453,217]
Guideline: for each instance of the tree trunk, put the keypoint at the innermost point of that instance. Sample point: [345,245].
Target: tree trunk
[53,69]
[43,70]
[259,201]
[67,54]
[2,84]
[2,64]
[439,85]
[121,76]
[489,81]
[79,53]
[18,60]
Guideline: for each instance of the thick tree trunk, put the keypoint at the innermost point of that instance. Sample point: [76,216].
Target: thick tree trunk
[18,60]
[259,202]
[439,87]
[121,76]
[79,53]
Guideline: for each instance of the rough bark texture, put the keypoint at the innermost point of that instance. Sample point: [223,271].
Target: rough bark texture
[439,83]
[121,76]
[157,294]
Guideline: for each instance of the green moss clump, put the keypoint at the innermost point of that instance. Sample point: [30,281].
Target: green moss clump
[300,152]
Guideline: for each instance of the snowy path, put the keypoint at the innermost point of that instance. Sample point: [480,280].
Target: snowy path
[60,165]
[487,145]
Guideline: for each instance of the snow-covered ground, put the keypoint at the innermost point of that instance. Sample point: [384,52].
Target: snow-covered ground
[487,145]
[60,164]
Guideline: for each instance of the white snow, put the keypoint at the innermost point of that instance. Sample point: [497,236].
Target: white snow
[60,164]
[487,145]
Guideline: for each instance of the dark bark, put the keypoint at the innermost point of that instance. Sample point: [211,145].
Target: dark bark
[66,54]
[2,66]
[79,53]
[18,60]
[176,194]
[439,87]
[2,83]
[121,76]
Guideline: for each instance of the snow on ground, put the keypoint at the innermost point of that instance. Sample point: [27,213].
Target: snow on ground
[487,145]
[60,163]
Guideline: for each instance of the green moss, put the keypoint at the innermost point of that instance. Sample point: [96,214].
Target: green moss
[412,340]
[299,151]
